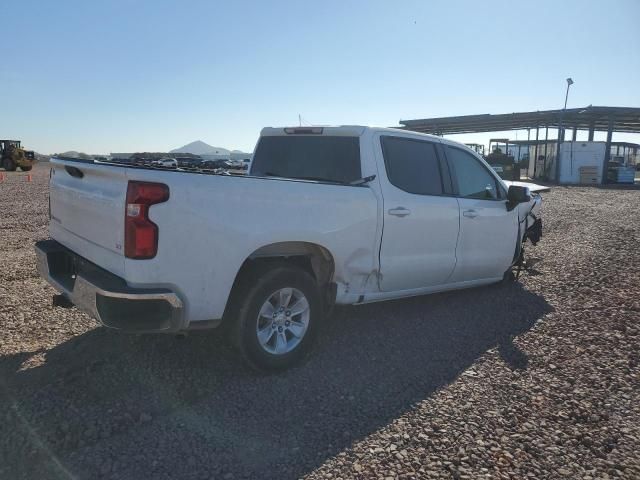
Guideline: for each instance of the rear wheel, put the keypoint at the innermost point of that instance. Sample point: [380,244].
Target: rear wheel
[9,165]
[26,168]
[277,318]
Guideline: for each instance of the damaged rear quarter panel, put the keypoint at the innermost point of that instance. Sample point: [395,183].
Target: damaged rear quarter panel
[224,220]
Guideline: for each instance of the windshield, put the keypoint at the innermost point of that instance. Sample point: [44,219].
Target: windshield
[324,158]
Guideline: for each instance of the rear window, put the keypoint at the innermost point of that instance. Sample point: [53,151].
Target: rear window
[323,158]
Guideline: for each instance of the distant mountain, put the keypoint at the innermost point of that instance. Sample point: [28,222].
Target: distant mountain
[74,154]
[69,154]
[81,155]
[200,148]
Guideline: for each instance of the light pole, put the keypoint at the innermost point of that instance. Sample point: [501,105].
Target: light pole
[561,131]
[569,83]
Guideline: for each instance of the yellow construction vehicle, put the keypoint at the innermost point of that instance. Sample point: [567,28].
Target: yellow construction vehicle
[12,156]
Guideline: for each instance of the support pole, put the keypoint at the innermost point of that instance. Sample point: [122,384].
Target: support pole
[546,144]
[592,129]
[575,134]
[529,150]
[558,142]
[535,154]
[607,151]
[516,164]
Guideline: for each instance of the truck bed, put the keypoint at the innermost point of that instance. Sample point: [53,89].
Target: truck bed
[209,226]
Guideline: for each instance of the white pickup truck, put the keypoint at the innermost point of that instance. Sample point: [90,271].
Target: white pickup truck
[325,215]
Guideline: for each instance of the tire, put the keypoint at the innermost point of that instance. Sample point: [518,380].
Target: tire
[255,319]
[26,169]
[9,165]
[508,277]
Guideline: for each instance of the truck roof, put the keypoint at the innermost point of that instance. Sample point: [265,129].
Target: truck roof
[346,131]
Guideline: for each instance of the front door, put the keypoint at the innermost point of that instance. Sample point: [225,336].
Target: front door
[421,217]
[488,231]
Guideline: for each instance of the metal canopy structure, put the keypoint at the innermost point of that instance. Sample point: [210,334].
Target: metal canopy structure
[607,119]
[619,119]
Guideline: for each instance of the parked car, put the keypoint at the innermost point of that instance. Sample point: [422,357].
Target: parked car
[165,162]
[234,164]
[333,215]
[213,164]
[188,162]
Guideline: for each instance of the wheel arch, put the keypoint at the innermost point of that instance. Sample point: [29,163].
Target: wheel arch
[311,257]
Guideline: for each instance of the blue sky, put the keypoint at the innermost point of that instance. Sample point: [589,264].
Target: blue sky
[126,75]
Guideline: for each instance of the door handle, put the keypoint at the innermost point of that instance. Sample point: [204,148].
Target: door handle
[470,213]
[399,211]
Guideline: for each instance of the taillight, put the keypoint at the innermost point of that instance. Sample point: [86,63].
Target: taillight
[140,233]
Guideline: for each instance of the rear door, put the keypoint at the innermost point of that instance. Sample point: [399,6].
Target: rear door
[488,232]
[421,217]
[87,203]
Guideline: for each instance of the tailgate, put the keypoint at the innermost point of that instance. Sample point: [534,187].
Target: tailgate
[87,210]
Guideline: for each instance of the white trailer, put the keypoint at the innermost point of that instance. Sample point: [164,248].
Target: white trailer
[581,162]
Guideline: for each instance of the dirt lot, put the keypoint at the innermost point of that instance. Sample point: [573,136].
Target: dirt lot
[538,379]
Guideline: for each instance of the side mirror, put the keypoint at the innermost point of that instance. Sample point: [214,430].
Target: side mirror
[516,195]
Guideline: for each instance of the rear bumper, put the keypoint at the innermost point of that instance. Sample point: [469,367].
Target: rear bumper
[105,296]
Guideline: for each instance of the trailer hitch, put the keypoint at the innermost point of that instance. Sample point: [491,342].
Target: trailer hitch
[60,300]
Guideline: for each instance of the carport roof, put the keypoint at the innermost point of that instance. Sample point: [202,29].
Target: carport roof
[624,119]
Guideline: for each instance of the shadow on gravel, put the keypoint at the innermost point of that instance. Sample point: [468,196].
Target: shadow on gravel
[606,186]
[119,406]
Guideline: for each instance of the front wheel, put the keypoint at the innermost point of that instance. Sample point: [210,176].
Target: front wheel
[278,317]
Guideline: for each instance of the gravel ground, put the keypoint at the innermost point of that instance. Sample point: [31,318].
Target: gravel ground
[537,379]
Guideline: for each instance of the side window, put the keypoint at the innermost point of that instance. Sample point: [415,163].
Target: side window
[474,181]
[412,165]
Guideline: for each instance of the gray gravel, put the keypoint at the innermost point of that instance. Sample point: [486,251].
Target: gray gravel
[538,379]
